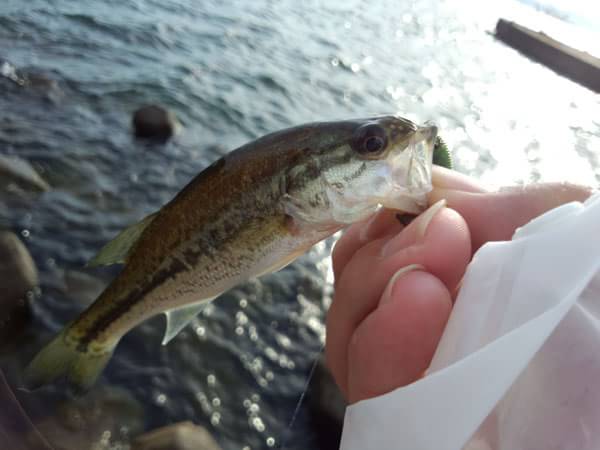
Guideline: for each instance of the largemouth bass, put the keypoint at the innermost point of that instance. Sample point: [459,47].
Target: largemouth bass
[250,213]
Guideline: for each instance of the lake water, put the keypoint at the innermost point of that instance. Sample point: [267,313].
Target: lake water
[232,71]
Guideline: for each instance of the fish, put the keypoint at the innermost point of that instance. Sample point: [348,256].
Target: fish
[250,213]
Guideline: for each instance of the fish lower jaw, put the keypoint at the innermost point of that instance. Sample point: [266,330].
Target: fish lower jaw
[414,204]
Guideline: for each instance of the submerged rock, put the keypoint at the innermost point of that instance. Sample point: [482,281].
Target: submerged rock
[152,121]
[19,277]
[179,436]
[47,87]
[327,407]
[41,81]
[18,172]
[102,419]
[16,430]
[36,81]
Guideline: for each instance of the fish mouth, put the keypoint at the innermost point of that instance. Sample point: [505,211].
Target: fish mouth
[422,145]
[411,172]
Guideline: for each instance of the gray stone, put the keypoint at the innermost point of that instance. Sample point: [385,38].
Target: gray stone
[19,278]
[152,121]
[179,436]
[18,172]
[327,407]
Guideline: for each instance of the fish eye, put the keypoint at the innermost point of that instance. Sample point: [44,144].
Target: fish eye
[369,140]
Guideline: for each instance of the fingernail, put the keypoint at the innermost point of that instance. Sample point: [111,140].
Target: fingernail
[387,294]
[425,218]
[367,227]
[381,223]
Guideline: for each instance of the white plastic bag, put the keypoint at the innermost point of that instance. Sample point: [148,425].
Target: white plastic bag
[518,366]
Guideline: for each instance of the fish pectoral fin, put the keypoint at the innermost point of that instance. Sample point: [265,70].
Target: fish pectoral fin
[178,318]
[116,251]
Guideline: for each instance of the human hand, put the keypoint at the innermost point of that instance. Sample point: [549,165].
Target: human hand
[395,285]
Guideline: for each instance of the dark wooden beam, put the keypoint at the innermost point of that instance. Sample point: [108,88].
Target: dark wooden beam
[574,64]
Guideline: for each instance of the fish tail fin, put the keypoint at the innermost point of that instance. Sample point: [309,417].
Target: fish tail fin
[63,357]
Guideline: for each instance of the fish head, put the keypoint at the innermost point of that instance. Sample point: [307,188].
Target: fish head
[385,161]
[352,168]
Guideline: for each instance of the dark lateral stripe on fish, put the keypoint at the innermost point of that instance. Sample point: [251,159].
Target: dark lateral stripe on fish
[104,320]
[191,256]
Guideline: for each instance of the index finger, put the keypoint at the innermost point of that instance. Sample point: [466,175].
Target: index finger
[495,216]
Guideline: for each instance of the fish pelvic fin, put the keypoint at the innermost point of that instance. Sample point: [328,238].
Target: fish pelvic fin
[117,250]
[63,357]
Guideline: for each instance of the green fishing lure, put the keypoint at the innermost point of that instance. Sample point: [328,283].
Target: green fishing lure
[441,154]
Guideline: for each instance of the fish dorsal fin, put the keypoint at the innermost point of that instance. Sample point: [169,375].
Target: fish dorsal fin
[116,251]
[178,318]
